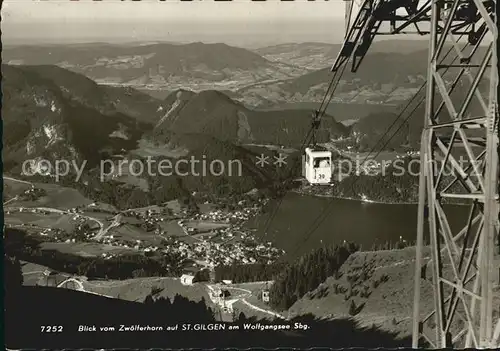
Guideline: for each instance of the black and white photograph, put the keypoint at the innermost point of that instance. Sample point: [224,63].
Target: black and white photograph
[250,174]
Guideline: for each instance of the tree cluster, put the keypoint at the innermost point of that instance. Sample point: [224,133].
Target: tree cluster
[393,185]
[239,273]
[160,189]
[27,248]
[181,309]
[13,279]
[202,275]
[398,183]
[307,273]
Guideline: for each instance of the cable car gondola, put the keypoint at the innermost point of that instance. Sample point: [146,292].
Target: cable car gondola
[317,165]
[316,160]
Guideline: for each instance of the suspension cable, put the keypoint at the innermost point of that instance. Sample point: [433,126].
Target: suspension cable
[320,219]
[323,215]
[290,173]
[332,86]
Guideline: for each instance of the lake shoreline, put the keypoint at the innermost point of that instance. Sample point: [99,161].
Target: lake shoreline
[378,202]
[300,222]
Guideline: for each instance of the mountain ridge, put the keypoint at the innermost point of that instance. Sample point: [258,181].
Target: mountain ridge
[42,120]
[214,113]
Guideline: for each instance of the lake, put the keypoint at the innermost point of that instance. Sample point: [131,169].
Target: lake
[364,223]
[341,111]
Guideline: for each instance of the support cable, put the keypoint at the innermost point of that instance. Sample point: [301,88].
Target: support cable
[310,136]
[323,215]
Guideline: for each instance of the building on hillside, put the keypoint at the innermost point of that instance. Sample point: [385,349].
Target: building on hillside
[212,275]
[187,279]
[228,308]
[216,295]
[49,278]
[265,295]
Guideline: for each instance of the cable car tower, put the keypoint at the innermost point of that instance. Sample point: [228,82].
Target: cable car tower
[454,263]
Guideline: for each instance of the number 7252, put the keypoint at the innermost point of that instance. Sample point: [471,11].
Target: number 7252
[51,328]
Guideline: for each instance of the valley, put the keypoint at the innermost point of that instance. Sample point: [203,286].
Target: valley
[222,238]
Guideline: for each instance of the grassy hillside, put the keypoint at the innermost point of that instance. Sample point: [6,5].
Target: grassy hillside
[380,286]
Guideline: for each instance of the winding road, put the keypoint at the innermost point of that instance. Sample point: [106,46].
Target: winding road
[19,181]
[103,230]
[10,200]
[79,287]
[69,279]
[243,298]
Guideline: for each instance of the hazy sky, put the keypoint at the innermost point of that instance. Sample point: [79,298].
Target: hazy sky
[238,22]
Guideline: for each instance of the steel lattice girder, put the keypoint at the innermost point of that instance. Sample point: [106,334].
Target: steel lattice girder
[461,258]
[391,17]
[460,137]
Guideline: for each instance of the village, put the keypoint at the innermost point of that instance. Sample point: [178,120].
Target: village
[205,239]
[215,237]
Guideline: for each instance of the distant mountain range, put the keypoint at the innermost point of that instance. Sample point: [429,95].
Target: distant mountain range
[46,104]
[196,66]
[372,84]
[392,72]
[265,78]
[55,112]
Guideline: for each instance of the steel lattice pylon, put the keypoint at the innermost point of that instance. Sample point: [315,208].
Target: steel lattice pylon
[459,163]
[455,262]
